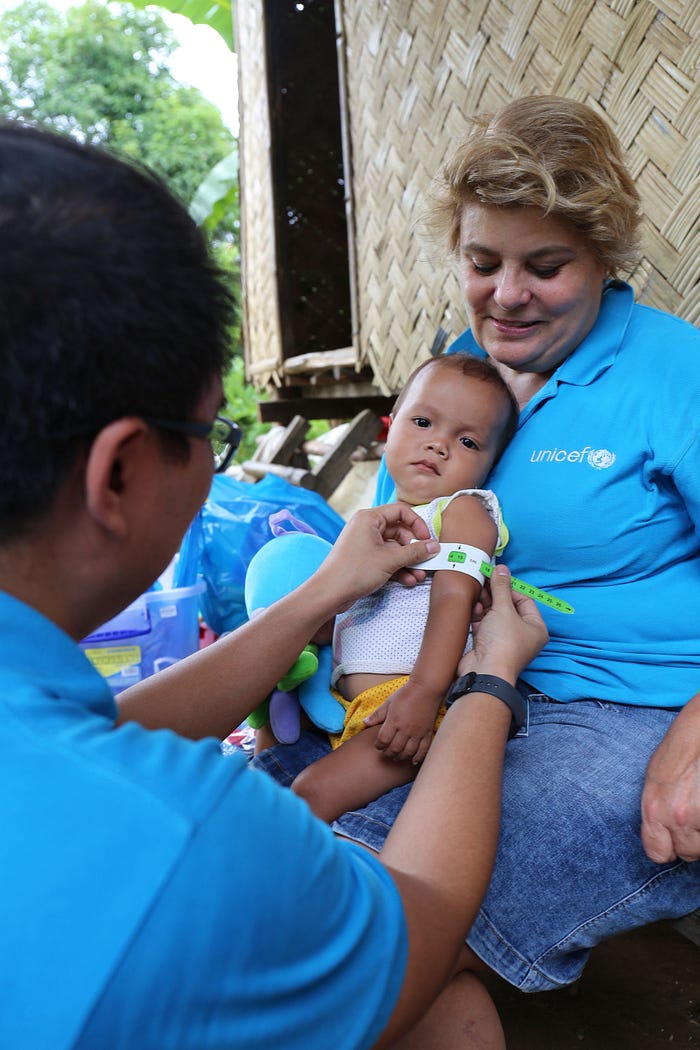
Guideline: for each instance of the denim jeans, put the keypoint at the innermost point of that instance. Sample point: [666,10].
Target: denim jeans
[570,869]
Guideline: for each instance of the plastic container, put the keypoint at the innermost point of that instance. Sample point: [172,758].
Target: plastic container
[155,631]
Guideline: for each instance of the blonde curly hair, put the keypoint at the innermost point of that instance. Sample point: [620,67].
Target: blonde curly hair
[545,152]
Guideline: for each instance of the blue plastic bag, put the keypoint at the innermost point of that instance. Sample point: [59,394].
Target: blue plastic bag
[233,524]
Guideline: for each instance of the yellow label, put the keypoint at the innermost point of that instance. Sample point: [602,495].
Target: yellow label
[111,660]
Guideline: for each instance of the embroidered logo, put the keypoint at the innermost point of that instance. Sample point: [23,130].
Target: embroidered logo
[599,458]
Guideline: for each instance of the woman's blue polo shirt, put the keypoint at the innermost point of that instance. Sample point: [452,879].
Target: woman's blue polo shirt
[600,488]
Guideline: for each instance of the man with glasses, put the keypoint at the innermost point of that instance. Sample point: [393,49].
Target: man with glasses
[156,894]
[223,435]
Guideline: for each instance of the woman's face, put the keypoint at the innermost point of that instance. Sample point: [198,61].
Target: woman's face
[532,285]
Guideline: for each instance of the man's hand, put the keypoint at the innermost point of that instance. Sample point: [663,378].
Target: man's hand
[375,545]
[671,796]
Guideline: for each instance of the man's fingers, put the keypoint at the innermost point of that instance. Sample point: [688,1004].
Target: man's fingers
[402,524]
[402,535]
[420,550]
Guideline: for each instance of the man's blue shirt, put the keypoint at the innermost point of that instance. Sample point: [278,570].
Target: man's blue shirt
[157,894]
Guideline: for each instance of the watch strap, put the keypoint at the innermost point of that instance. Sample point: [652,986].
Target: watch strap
[493,686]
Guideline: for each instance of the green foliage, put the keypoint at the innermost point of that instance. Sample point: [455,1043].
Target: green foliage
[228,257]
[221,181]
[241,405]
[83,70]
[216,203]
[100,73]
[181,137]
[317,427]
[214,13]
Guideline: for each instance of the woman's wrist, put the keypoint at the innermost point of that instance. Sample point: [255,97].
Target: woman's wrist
[476,683]
[499,669]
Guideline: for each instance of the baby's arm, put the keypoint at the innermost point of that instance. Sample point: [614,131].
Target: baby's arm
[409,715]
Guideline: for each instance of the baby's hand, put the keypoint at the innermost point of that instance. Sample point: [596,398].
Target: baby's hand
[407,720]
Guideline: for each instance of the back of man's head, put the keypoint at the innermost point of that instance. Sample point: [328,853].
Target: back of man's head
[109,306]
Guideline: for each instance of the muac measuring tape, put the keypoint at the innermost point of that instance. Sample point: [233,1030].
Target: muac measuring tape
[474,562]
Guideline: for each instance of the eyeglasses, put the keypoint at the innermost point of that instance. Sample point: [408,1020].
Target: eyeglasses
[224,436]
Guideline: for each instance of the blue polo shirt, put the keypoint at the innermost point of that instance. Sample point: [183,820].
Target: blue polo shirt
[159,895]
[600,488]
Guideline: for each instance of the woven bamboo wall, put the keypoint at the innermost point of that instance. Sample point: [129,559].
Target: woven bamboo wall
[410,70]
[414,68]
[261,321]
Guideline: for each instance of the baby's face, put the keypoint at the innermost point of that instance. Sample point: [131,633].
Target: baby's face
[444,435]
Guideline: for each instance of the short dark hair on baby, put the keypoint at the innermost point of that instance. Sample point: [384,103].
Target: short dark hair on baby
[482,370]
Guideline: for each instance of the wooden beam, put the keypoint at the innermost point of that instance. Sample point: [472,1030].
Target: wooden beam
[337,462]
[689,926]
[321,361]
[322,408]
[282,442]
[294,475]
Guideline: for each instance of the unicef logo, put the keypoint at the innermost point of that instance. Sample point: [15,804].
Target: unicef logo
[600,458]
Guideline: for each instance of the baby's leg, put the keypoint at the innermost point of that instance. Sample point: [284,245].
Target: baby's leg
[264,738]
[351,776]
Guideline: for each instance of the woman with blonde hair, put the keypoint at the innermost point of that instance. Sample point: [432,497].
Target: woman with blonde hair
[601,491]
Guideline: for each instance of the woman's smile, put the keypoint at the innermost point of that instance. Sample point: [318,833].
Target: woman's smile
[531,283]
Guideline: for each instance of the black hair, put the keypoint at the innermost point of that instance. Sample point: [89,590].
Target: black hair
[110,305]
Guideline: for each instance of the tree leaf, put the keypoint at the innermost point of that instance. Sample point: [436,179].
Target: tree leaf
[215,187]
[215,13]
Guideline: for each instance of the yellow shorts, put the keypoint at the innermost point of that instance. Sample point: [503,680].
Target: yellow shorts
[364,704]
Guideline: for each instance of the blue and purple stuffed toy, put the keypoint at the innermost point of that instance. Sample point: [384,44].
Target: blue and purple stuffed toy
[280,566]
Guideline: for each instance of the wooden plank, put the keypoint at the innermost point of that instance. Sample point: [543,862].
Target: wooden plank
[295,475]
[346,142]
[334,465]
[689,926]
[283,411]
[282,442]
[337,461]
[321,361]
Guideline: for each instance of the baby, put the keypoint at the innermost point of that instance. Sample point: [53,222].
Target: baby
[395,653]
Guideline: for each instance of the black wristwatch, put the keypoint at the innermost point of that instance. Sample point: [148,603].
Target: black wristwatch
[486,683]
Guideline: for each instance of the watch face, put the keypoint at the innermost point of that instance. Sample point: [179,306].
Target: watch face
[459,687]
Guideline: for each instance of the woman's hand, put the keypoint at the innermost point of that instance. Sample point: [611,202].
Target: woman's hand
[375,545]
[671,796]
[509,633]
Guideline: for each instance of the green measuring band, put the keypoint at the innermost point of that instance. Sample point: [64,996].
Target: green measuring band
[531,592]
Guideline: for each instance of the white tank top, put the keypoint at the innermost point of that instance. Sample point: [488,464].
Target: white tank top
[383,632]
